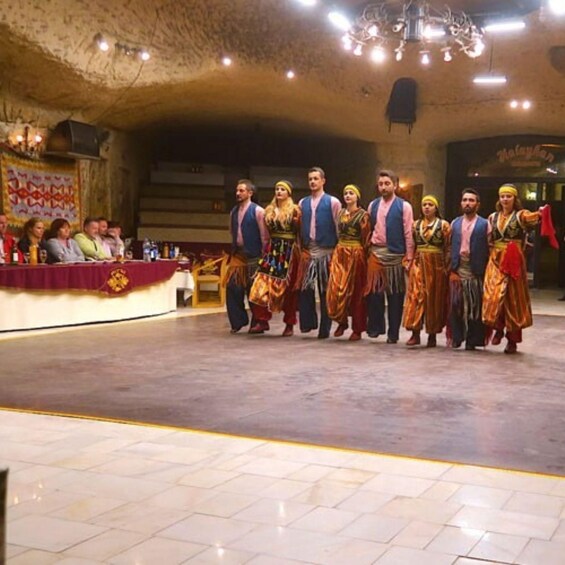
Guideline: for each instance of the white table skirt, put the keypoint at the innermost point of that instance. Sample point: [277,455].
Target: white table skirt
[20,310]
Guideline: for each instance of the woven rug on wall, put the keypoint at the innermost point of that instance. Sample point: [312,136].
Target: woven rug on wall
[40,188]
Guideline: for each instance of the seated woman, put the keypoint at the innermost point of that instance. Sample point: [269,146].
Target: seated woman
[60,247]
[32,235]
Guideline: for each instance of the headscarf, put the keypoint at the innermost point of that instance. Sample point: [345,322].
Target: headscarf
[432,199]
[508,189]
[285,184]
[354,189]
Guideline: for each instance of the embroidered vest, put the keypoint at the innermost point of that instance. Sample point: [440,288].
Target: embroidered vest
[436,238]
[479,245]
[395,240]
[252,246]
[512,230]
[325,227]
[349,227]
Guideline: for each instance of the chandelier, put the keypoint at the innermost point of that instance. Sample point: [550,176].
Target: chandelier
[26,140]
[380,31]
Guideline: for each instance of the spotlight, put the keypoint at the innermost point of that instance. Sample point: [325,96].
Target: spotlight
[227,61]
[425,58]
[358,51]
[103,45]
[447,56]
[290,74]
[514,104]
[347,43]
[144,55]
[38,138]
[526,105]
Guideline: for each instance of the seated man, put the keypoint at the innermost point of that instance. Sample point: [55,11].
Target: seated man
[89,241]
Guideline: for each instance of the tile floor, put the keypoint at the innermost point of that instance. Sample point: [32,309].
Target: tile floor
[85,492]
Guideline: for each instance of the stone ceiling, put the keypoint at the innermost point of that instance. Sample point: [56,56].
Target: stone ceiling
[48,56]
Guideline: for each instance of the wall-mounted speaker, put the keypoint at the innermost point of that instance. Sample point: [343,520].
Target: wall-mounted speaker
[401,107]
[74,140]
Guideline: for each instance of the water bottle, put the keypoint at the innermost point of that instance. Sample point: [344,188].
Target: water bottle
[146,250]
[154,251]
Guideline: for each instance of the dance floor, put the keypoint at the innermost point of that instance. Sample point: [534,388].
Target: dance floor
[481,407]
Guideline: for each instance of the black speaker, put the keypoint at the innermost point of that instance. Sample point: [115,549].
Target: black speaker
[74,140]
[401,107]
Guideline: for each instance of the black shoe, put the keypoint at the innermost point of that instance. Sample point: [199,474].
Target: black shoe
[469,347]
[373,335]
[234,330]
[323,335]
[391,340]
[456,345]
[562,299]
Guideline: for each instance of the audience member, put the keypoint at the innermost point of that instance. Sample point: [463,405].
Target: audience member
[113,239]
[102,235]
[32,235]
[89,241]
[60,247]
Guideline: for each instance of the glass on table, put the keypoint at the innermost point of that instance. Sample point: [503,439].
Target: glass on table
[43,256]
[129,255]
[26,258]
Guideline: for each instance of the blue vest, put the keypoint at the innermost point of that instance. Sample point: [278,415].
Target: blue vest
[373,215]
[252,246]
[479,245]
[395,240]
[326,235]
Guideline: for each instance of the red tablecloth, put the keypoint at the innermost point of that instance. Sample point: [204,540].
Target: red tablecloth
[110,278]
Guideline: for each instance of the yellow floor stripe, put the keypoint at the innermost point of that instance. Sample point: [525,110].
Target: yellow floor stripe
[278,441]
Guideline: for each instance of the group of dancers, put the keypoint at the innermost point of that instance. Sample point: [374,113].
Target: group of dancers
[468,276]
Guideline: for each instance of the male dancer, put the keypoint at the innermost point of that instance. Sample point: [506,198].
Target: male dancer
[392,250]
[249,237]
[319,237]
[469,256]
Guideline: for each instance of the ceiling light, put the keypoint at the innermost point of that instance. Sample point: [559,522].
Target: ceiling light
[307,2]
[103,45]
[490,79]
[526,104]
[378,54]
[425,58]
[358,51]
[514,104]
[339,20]
[433,32]
[447,56]
[557,7]
[144,55]
[503,26]
[398,54]
[373,31]
[290,74]
[227,61]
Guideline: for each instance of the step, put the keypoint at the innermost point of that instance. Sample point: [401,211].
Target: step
[183,191]
[179,204]
[211,219]
[184,178]
[184,234]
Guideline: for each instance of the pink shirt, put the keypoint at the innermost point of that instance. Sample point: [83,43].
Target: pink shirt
[336,209]
[379,233]
[259,216]
[467,227]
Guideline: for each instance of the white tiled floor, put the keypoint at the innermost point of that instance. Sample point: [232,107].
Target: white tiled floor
[83,492]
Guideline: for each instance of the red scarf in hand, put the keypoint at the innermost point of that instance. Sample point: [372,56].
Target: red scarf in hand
[547,228]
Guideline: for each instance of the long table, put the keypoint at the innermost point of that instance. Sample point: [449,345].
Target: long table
[43,296]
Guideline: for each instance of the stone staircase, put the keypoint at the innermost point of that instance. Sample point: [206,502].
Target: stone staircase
[190,203]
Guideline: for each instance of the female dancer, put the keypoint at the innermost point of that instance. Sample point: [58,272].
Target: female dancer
[273,287]
[426,299]
[348,267]
[506,300]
